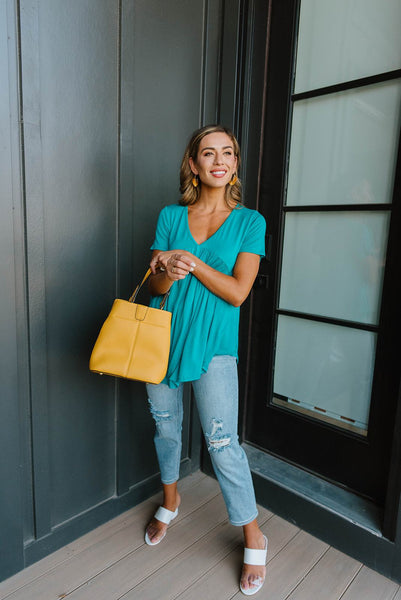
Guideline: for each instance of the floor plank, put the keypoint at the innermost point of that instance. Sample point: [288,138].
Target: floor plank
[369,585]
[330,576]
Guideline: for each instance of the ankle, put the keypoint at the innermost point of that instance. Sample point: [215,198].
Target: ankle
[253,537]
[256,542]
[171,501]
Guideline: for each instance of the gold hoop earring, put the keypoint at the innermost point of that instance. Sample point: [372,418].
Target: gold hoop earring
[234,180]
[195,181]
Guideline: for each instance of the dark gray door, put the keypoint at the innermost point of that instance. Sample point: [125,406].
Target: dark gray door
[324,382]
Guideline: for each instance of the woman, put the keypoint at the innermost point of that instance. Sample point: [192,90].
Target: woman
[206,255]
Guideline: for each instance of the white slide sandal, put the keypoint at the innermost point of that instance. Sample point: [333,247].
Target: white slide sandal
[257,558]
[164,516]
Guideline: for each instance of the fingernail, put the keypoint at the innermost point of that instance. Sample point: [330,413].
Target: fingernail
[193,265]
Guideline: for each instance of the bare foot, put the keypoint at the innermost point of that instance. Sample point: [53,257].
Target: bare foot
[156,530]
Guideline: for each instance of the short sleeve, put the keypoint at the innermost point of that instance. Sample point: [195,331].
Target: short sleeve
[162,232]
[254,238]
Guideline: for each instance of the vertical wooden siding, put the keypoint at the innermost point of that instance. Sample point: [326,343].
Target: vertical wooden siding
[11,553]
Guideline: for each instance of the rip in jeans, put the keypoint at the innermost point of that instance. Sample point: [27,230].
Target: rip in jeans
[160,415]
[215,439]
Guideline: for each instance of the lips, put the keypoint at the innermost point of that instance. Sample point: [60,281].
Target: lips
[218,173]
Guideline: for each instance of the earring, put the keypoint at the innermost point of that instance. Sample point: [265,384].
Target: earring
[234,180]
[195,181]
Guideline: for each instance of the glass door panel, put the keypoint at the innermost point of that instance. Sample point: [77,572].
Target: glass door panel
[343,40]
[333,264]
[343,146]
[325,371]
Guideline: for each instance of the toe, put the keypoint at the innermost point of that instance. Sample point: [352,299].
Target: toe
[155,531]
[154,535]
[244,581]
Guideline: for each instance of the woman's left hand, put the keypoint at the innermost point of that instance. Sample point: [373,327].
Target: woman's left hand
[176,263]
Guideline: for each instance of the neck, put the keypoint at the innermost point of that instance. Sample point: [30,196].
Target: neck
[212,199]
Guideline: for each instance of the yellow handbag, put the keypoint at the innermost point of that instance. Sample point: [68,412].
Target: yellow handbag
[134,341]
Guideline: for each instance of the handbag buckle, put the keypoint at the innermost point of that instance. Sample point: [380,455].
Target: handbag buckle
[140,312]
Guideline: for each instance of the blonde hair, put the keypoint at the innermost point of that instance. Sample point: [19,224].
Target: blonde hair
[189,193]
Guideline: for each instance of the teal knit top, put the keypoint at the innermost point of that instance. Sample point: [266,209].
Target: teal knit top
[204,325]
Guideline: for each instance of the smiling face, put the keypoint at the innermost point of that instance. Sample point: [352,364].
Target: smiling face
[216,162]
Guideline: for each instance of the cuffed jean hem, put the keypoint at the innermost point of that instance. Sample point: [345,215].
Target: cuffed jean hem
[246,522]
[170,482]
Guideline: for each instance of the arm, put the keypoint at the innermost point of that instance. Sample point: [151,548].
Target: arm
[234,288]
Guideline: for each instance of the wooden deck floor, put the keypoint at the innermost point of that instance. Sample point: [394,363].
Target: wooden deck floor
[200,559]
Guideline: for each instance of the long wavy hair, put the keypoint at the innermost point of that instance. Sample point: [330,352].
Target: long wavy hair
[189,193]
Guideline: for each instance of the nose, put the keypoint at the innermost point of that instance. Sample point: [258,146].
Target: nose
[218,158]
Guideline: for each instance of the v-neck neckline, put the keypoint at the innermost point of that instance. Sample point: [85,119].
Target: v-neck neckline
[213,234]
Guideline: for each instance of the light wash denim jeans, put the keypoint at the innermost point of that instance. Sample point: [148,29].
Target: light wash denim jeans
[216,395]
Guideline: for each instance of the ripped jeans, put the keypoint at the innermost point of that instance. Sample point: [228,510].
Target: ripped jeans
[216,395]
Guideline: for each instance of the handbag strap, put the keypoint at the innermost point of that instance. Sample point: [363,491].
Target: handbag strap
[138,287]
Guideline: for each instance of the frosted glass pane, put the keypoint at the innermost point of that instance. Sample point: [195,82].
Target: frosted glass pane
[344,40]
[325,367]
[344,146]
[333,264]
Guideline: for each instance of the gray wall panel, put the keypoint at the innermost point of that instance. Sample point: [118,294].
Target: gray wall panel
[229,113]
[212,32]
[80,137]
[35,300]
[11,531]
[70,90]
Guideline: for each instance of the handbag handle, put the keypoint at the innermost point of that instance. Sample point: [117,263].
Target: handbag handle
[138,287]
